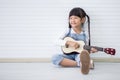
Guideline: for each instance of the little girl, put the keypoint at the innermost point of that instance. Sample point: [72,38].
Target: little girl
[77,18]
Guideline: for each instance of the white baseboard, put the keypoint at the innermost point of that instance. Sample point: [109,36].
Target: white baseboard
[106,59]
[20,60]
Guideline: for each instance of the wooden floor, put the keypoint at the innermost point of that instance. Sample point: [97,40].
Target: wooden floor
[47,71]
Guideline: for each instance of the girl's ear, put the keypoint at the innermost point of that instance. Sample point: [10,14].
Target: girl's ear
[83,20]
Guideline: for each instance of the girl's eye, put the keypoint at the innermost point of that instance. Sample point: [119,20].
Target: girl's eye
[75,18]
[71,17]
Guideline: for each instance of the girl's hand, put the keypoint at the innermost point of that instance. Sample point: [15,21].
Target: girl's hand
[72,44]
[93,50]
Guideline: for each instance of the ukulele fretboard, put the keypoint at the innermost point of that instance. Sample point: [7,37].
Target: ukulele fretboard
[89,48]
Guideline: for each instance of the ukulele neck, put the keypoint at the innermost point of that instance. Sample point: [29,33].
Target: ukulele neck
[89,48]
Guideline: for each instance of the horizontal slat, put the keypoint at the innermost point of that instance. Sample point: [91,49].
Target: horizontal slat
[28,28]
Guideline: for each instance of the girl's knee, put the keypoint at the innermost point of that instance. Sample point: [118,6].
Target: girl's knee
[56,59]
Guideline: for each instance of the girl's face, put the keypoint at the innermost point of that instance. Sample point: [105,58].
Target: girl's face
[75,21]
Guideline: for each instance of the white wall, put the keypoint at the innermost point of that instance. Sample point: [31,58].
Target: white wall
[28,28]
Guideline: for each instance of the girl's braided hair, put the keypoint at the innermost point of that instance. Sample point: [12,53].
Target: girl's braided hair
[77,11]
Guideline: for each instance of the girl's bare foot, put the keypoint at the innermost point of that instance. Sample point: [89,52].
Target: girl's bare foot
[85,62]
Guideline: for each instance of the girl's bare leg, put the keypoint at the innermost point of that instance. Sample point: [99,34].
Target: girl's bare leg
[68,63]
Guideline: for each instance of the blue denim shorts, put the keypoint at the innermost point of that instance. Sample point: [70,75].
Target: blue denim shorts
[57,58]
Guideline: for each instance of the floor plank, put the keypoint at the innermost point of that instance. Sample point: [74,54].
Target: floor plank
[47,71]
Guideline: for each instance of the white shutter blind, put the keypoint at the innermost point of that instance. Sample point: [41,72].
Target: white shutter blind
[28,27]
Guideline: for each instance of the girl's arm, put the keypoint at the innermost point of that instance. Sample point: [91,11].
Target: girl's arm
[93,50]
[60,41]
